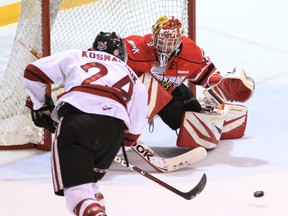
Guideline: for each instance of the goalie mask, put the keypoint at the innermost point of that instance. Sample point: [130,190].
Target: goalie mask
[167,37]
[110,43]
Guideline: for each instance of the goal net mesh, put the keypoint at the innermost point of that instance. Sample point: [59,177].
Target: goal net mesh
[74,24]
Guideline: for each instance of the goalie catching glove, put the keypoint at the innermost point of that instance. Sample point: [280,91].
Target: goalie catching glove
[235,86]
[42,116]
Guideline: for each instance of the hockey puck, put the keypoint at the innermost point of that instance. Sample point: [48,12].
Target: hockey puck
[258,193]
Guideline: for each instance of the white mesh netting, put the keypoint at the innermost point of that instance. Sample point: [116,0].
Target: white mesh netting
[74,24]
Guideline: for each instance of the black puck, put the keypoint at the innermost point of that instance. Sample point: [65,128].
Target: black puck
[258,193]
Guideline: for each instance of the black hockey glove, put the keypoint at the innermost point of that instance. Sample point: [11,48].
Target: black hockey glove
[42,116]
[183,100]
[182,92]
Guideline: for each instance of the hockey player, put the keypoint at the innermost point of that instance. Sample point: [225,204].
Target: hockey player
[103,106]
[171,58]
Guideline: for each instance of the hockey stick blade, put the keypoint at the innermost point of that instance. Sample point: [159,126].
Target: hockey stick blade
[197,189]
[169,164]
[186,195]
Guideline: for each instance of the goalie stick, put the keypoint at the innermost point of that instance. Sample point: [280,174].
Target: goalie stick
[186,195]
[169,164]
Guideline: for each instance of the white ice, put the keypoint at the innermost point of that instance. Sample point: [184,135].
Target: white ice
[252,34]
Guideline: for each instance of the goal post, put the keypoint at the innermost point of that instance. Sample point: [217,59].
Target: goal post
[192,32]
[52,26]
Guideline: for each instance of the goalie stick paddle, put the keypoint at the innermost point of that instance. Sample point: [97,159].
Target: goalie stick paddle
[169,164]
[186,195]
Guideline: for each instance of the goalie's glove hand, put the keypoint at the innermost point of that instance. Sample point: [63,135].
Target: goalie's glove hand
[42,117]
[235,86]
[238,86]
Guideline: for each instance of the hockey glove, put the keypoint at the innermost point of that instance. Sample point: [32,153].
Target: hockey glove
[130,139]
[235,86]
[42,116]
[183,100]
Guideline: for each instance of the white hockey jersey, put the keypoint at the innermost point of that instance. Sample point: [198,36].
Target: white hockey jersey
[94,82]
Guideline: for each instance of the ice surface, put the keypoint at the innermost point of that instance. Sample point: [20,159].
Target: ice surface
[246,33]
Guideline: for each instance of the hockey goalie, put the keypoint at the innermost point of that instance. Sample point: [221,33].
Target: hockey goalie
[164,60]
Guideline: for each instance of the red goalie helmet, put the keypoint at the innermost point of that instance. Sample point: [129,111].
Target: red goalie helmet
[167,36]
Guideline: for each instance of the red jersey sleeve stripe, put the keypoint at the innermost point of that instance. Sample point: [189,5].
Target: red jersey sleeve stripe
[205,75]
[33,73]
[104,91]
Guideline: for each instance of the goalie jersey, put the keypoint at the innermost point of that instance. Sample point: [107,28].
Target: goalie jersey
[94,82]
[189,62]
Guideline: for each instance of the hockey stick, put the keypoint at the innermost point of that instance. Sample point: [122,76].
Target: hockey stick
[26,45]
[186,195]
[37,55]
[169,164]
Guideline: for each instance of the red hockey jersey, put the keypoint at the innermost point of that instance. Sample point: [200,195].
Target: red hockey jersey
[189,63]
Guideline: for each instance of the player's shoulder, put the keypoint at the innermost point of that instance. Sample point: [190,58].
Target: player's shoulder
[190,49]
[69,53]
[137,39]
[189,43]
[138,46]
[133,42]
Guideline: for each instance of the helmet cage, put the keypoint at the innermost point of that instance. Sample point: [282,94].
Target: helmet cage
[165,45]
[167,37]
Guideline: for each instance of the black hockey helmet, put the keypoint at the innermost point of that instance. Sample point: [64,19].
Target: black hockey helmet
[110,43]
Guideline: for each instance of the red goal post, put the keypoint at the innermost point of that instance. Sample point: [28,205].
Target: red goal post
[51,26]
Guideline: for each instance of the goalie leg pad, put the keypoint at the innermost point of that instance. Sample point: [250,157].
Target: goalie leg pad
[206,129]
[235,121]
[201,129]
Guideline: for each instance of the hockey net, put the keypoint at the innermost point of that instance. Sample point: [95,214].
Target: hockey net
[73,24]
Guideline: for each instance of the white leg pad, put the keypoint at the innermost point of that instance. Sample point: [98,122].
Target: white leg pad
[235,121]
[228,121]
[201,129]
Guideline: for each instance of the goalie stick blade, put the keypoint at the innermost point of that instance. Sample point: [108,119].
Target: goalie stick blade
[164,165]
[185,159]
